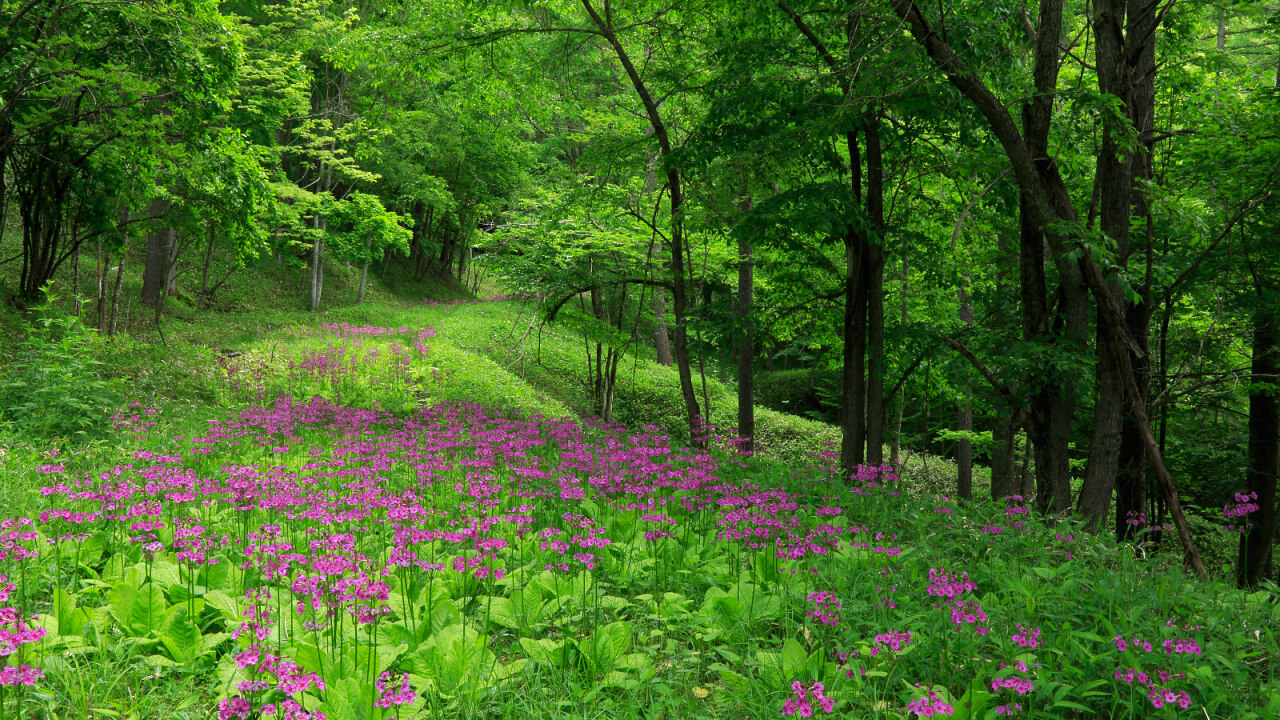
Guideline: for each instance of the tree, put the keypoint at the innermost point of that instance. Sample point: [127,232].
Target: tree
[1048,210]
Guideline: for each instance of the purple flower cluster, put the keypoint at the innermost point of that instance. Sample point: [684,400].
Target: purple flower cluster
[1245,503]
[930,705]
[826,608]
[802,697]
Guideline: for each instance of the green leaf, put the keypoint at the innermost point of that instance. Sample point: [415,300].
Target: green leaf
[606,646]
[181,637]
[546,652]
[138,610]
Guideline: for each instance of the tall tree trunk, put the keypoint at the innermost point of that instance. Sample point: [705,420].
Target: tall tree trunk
[202,300]
[853,366]
[1256,545]
[964,417]
[875,293]
[155,280]
[1113,184]
[75,276]
[115,292]
[1132,479]
[102,289]
[679,291]
[661,341]
[900,403]
[746,341]
[317,264]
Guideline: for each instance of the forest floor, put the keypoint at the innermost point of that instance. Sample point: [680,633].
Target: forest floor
[391,511]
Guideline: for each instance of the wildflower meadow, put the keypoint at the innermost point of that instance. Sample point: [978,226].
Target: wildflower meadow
[343,546]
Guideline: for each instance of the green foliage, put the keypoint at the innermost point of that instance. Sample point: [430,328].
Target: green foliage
[54,386]
[805,392]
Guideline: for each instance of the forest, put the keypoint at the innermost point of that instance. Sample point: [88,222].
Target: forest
[639,358]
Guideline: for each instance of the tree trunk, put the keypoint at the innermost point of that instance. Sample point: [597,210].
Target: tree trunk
[155,281]
[964,417]
[203,300]
[115,292]
[1254,563]
[661,341]
[75,277]
[679,297]
[1132,478]
[317,264]
[853,370]
[900,404]
[746,342]
[875,294]
[1104,444]
[102,289]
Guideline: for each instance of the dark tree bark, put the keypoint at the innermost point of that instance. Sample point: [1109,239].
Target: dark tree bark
[853,366]
[1125,64]
[862,397]
[1132,478]
[1256,545]
[115,292]
[661,340]
[964,420]
[155,276]
[746,341]
[875,294]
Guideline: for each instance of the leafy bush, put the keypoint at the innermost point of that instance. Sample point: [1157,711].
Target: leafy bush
[801,392]
[55,388]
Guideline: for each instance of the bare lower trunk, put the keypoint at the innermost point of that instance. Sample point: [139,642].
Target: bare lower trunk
[1104,444]
[964,452]
[964,417]
[155,280]
[661,341]
[102,289]
[875,295]
[899,405]
[1256,546]
[364,278]
[853,371]
[203,299]
[75,280]
[1003,452]
[746,344]
[317,265]
[115,292]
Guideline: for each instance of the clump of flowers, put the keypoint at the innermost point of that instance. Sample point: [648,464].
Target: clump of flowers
[1016,679]
[389,695]
[930,705]
[1244,504]
[826,608]
[969,612]
[1024,638]
[1159,693]
[15,632]
[943,584]
[802,698]
[1157,683]
[894,640]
